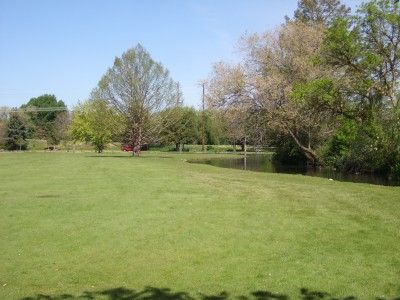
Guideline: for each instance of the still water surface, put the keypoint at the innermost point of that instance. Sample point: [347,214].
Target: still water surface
[263,163]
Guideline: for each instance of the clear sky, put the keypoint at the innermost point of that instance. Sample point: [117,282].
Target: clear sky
[63,47]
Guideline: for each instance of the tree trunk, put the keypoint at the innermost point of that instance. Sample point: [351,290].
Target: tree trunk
[137,144]
[310,154]
[179,147]
[136,149]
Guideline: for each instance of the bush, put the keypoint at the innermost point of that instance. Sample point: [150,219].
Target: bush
[362,148]
[287,152]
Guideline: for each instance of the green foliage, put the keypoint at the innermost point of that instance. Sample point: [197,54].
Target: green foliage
[16,133]
[366,50]
[344,48]
[344,137]
[44,122]
[341,43]
[213,129]
[180,127]
[184,125]
[366,47]
[362,148]
[321,94]
[287,151]
[43,101]
[219,148]
[395,169]
[321,11]
[95,122]
[3,129]
[37,144]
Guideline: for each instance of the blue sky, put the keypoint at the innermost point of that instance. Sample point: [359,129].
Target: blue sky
[63,47]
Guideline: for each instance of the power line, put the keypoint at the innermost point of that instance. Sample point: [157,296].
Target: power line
[33,109]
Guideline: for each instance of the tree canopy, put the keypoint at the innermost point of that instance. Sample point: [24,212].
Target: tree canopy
[320,11]
[16,132]
[180,127]
[94,121]
[44,122]
[327,80]
[139,89]
[273,64]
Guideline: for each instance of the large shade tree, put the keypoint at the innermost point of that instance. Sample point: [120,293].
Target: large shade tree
[139,89]
[276,66]
[44,120]
[274,63]
[365,49]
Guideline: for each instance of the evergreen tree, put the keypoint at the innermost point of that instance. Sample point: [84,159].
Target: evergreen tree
[16,133]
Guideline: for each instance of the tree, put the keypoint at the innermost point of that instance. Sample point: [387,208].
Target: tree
[16,132]
[4,116]
[61,124]
[365,49]
[320,11]
[44,121]
[181,127]
[139,89]
[213,127]
[234,125]
[94,121]
[230,96]
[380,31]
[263,85]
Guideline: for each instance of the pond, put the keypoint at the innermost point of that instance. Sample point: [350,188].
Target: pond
[264,163]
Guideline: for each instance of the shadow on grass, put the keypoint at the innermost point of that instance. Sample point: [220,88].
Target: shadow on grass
[152,293]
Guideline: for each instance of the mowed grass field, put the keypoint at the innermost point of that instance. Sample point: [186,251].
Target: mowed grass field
[110,226]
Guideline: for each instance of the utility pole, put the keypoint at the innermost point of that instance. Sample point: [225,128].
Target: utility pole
[203,146]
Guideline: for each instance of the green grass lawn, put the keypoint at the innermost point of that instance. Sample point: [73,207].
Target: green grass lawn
[110,226]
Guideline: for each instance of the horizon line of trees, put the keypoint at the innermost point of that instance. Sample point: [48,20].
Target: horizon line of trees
[33,121]
[323,88]
[96,123]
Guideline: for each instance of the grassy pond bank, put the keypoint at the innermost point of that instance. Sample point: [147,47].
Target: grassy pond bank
[111,226]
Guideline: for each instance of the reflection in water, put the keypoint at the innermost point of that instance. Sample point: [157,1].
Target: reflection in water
[263,163]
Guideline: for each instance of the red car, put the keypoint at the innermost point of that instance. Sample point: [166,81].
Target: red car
[127,148]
